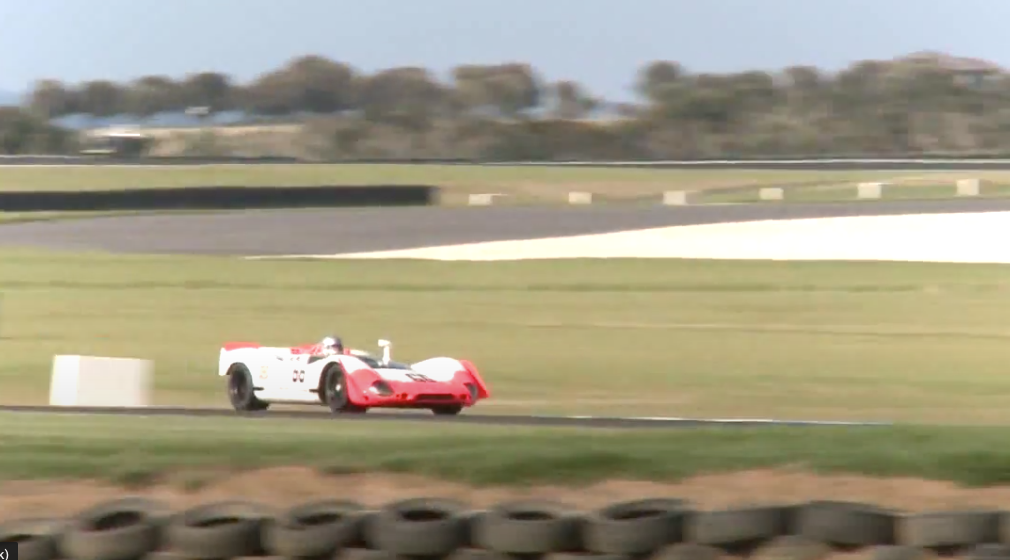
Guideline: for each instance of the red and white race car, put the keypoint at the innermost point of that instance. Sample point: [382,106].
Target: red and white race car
[345,380]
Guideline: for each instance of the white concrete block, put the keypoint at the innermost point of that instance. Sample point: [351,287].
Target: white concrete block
[580,198]
[968,187]
[771,193]
[478,200]
[869,190]
[674,198]
[483,199]
[100,381]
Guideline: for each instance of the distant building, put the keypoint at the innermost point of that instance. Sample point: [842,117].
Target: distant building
[969,71]
[115,142]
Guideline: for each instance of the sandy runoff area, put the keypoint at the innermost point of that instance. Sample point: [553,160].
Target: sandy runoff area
[952,238]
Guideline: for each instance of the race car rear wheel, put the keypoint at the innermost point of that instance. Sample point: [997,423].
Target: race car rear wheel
[240,390]
[447,410]
[335,391]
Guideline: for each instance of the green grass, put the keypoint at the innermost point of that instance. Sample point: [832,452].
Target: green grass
[832,193]
[480,179]
[137,450]
[524,185]
[829,341]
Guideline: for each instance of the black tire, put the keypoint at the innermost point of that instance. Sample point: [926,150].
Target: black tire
[447,409]
[240,390]
[121,529]
[529,527]
[847,524]
[792,547]
[314,529]
[37,538]
[688,551]
[635,527]
[957,530]
[365,554]
[335,391]
[736,528]
[218,530]
[472,520]
[420,527]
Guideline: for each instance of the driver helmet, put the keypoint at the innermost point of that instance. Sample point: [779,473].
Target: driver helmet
[331,345]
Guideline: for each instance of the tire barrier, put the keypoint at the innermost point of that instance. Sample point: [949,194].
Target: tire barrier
[435,528]
[218,198]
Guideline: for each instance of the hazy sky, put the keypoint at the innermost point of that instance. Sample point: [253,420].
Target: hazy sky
[600,43]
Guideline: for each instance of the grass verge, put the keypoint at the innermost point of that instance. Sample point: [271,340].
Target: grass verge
[850,193]
[787,340]
[137,450]
[524,185]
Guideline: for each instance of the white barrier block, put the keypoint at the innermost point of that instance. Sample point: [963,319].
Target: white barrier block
[674,198]
[771,193]
[100,381]
[869,190]
[580,198]
[967,187]
[482,199]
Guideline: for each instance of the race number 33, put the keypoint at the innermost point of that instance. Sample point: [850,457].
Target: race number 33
[298,376]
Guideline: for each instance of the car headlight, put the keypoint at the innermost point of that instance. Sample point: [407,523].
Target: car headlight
[381,388]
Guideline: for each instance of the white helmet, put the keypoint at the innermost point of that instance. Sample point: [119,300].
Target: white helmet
[332,345]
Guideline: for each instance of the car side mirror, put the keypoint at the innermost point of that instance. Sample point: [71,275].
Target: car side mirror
[385,344]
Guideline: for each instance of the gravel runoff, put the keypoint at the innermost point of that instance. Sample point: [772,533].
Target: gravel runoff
[950,238]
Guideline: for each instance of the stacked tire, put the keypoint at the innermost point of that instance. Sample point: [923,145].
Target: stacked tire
[430,528]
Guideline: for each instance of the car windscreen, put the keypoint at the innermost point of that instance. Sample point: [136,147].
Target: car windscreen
[373,363]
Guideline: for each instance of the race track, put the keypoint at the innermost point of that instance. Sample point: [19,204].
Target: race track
[358,230]
[286,232]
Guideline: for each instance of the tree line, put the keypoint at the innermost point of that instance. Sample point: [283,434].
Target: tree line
[926,103]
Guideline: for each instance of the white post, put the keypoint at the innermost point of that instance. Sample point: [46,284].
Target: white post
[481,199]
[674,198]
[869,190]
[968,187]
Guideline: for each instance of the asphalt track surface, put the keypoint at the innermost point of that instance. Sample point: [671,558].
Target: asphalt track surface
[291,232]
[344,231]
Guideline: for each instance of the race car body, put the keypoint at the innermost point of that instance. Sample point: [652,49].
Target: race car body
[349,381]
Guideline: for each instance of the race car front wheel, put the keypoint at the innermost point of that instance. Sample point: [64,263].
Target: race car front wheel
[240,391]
[335,391]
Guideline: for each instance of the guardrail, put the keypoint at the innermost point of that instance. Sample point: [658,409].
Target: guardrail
[814,164]
[218,198]
[434,528]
